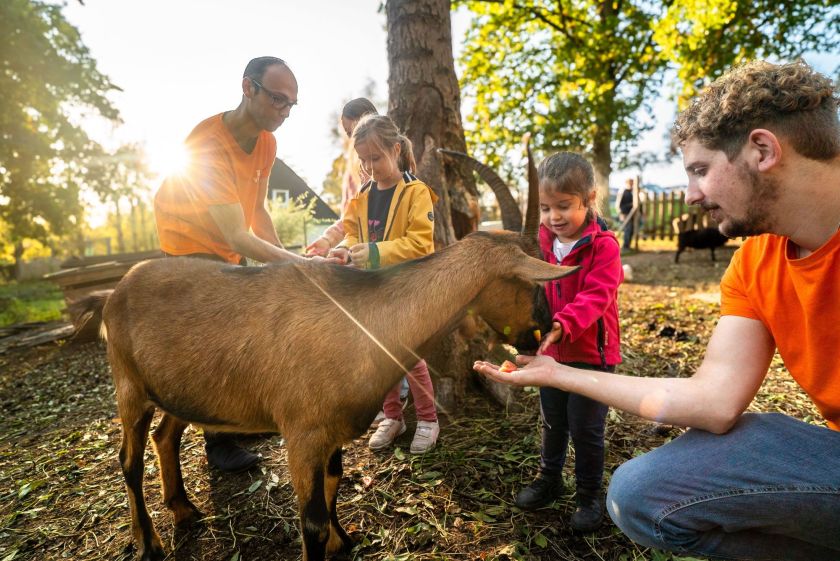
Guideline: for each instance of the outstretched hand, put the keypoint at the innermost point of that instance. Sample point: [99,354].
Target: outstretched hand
[533,371]
[319,247]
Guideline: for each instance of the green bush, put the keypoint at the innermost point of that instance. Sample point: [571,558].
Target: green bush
[30,301]
[290,220]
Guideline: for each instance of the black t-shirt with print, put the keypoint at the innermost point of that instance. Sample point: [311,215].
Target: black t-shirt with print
[379,203]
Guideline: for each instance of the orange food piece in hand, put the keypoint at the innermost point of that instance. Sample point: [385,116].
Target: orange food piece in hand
[508,367]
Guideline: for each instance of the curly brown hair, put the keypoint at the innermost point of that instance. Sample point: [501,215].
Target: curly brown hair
[792,100]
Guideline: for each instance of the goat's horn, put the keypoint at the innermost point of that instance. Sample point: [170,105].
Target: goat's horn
[532,212]
[511,215]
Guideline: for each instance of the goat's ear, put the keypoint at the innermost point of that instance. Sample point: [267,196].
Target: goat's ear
[535,269]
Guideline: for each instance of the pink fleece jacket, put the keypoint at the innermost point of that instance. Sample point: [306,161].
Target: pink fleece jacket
[586,303]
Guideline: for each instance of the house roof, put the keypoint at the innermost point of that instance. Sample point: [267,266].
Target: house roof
[284,178]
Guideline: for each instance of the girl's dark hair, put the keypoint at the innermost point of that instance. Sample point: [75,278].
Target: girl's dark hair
[382,131]
[357,108]
[256,67]
[569,173]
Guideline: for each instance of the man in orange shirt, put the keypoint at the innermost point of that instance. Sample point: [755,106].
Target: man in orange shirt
[216,208]
[761,146]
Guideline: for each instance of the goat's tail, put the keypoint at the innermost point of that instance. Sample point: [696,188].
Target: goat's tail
[86,314]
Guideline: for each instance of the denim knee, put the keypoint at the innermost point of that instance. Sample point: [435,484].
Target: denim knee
[628,500]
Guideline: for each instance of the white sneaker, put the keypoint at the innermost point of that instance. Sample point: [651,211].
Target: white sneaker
[378,419]
[386,433]
[425,436]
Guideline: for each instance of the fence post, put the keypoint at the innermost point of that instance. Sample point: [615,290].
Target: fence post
[636,202]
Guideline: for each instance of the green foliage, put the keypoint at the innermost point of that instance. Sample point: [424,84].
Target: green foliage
[574,74]
[580,74]
[122,179]
[702,38]
[333,182]
[49,80]
[291,220]
[30,301]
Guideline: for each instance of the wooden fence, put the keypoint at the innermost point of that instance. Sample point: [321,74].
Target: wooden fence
[659,211]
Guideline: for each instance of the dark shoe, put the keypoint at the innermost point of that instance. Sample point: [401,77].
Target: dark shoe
[541,492]
[227,456]
[589,513]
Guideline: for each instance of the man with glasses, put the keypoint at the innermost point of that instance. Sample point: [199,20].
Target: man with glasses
[216,208]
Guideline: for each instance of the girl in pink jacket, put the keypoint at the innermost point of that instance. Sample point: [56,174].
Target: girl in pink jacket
[584,333]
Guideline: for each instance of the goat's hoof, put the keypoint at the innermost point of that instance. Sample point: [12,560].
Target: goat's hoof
[153,553]
[188,519]
[185,513]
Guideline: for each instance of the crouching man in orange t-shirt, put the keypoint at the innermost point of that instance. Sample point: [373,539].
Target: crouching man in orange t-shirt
[761,146]
[216,208]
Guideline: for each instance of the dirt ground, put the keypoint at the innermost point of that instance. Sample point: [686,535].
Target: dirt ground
[62,493]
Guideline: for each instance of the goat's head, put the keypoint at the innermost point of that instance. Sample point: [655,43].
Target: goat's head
[514,304]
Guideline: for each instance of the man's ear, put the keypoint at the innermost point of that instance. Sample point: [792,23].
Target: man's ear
[249,89]
[765,148]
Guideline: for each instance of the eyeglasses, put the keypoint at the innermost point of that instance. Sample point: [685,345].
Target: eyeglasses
[278,100]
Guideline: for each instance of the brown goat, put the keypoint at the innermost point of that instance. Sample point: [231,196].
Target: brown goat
[306,349]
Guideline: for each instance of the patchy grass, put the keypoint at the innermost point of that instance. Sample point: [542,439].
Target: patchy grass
[30,301]
[62,494]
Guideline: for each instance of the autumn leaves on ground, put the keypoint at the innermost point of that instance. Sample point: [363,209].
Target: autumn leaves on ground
[62,493]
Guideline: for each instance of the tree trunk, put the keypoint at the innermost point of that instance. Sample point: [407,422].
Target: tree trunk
[425,103]
[602,163]
[135,205]
[118,223]
[18,255]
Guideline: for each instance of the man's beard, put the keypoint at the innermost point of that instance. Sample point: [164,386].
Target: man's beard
[763,193]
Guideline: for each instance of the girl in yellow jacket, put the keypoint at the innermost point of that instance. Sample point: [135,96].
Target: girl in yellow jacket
[391,220]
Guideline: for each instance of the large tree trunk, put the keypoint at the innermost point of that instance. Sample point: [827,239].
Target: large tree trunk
[425,102]
[602,164]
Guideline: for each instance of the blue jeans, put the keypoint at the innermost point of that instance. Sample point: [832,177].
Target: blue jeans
[767,490]
[628,233]
[567,414]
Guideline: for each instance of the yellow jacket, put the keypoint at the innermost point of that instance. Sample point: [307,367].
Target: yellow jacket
[409,230]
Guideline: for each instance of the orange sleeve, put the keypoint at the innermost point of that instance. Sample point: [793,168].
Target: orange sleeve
[733,292]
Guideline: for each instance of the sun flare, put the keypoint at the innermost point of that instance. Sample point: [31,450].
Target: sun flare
[168,160]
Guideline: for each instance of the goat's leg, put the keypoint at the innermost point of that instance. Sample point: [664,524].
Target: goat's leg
[306,467]
[135,423]
[167,441]
[339,542]
[713,253]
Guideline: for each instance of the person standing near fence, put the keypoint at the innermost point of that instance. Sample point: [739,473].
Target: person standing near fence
[624,206]
[625,202]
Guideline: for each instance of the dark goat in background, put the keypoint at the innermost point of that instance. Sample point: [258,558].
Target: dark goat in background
[705,238]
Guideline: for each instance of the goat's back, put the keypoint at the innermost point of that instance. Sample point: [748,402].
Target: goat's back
[200,333]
